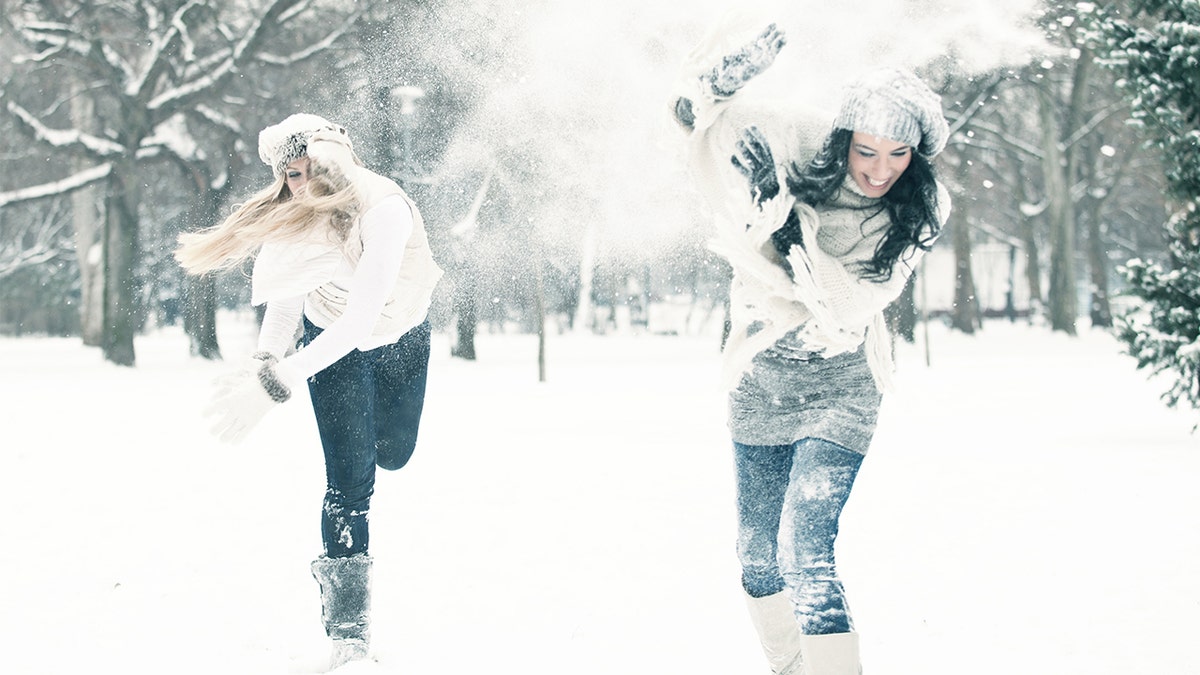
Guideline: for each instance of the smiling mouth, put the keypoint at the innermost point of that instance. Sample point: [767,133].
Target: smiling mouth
[876,184]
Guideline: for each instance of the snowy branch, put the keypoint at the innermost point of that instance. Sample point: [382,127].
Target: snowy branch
[31,257]
[51,35]
[73,139]
[172,136]
[58,187]
[53,38]
[317,47]
[1008,140]
[998,234]
[35,244]
[170,101]
[160,47]
[219,120]
[293,12]
[1087,127]
[971,111]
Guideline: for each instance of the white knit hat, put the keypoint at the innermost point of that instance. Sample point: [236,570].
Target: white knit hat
[283,143]
[896,105]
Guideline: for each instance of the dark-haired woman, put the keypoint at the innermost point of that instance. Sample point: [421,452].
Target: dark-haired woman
[815,262]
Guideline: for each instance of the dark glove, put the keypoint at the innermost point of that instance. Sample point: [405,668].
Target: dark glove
[738,68]
[753,159]
[684,115]
[786,237]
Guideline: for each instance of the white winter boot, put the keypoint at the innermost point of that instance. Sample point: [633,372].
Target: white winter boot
[345,605]
[833,654]
[777,631]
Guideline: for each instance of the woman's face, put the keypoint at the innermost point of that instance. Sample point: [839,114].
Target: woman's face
[877,162]
[296,175]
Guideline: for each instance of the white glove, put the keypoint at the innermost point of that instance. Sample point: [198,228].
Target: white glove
[333,153]
[244,396]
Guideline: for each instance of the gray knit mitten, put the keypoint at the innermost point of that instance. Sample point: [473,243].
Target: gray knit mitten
[738,68]
[270,379]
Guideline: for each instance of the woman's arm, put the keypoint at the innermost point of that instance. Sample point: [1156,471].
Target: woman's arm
[386,228]
[278,333]
[701,97]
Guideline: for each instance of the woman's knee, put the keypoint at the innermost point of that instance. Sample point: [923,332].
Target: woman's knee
[391,456]
[759,583]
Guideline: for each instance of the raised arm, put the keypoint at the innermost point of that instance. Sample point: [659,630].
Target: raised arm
[732,73]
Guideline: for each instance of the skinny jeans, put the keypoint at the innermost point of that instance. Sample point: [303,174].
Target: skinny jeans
[789,500]
[368,409]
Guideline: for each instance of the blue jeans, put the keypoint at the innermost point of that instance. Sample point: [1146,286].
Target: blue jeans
[368,407]
[789,499]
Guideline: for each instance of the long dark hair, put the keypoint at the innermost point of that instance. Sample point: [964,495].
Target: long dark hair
[911,204]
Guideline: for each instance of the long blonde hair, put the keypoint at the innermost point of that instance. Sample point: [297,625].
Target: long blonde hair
[328,203]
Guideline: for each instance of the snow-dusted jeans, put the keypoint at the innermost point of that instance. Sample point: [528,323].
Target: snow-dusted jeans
[368,407]
[789,500]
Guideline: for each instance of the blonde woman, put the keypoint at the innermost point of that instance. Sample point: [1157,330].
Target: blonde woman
[343,251]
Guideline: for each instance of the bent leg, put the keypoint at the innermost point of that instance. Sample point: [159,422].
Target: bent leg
[400,374]
[822,475]
[762,475]
[343,404]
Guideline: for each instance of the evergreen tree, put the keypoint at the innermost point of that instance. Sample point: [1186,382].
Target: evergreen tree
[1155,50]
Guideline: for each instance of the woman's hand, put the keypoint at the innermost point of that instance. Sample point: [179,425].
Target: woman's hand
[753,159]
[738,68]
[245,395]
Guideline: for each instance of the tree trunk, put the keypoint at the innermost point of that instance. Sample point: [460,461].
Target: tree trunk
[200,292]
[1098,308]
[85,216]
[541,317]
[90,258]
[467,322]
[587,277]
[1028,233]
[1062,304]
[1033,265]
[466,308]
[902,313]
[965,316]
[200,316]
[120,258]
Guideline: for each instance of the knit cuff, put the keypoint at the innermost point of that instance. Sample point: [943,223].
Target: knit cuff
[271,380]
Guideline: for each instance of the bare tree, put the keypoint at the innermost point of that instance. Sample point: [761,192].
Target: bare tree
[148,68]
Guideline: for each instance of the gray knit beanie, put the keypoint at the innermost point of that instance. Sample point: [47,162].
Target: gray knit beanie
[894,104]
[283,143]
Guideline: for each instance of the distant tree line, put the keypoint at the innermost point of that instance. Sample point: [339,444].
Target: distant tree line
[125,122]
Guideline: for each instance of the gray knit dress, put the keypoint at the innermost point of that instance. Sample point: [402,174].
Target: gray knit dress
[792,391]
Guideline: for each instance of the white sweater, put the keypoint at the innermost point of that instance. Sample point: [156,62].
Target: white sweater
[833,307]
[365,294]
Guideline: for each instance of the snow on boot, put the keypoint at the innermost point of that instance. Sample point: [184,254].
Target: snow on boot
[832,654]
[345,605]
[777,632]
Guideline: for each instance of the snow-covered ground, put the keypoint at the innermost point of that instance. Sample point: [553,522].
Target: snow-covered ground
[1028,507]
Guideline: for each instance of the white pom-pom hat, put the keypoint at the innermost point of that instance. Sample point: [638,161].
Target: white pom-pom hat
[283,143]
[896,105]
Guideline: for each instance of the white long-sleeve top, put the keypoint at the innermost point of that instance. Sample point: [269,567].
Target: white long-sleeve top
[385,230]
